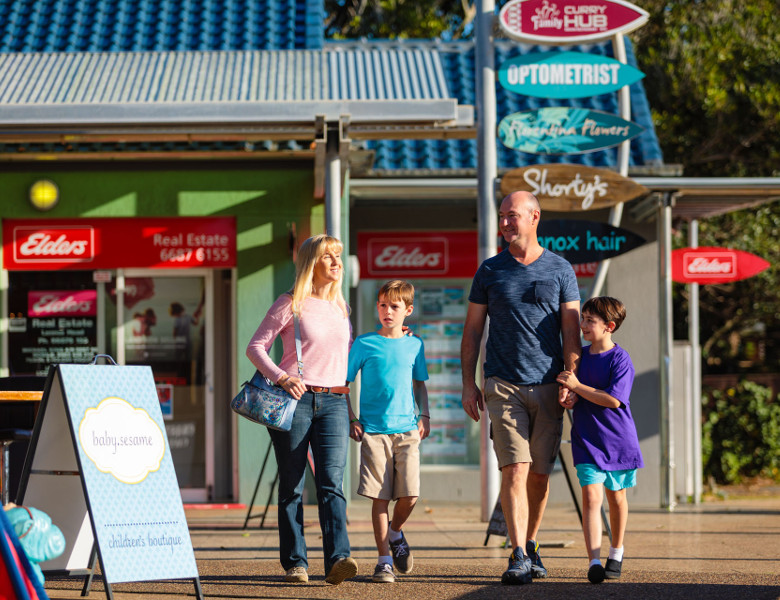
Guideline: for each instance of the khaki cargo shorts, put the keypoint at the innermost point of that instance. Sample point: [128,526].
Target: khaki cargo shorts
[527,423]
[390,465]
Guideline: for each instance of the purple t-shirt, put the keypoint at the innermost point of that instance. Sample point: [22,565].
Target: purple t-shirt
[606,437]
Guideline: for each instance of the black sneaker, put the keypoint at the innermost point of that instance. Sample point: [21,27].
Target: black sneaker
[596,573]
[383,573]
[402,555]
[532,551]
[612,571]
[519,570]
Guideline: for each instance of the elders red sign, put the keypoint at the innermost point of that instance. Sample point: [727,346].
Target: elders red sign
[714,265]
[112,243]
[568,21]
[385,254]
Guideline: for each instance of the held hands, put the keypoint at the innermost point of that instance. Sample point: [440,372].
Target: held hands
[471,398]
[292,385]
[568,383]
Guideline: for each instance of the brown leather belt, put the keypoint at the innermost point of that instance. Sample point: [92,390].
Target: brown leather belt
[339,389]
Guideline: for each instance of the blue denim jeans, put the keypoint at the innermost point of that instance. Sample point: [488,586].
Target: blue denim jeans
[322,421]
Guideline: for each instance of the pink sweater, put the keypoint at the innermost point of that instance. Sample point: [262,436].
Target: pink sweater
[326,336]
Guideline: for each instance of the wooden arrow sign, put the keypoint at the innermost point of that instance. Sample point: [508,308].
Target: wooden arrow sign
[568,188]
[714,265]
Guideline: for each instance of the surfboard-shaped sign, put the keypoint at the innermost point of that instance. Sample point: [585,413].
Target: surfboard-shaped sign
[565,75]
[560,22]
[585,241]
[564,130]
[565,187]
[714,265]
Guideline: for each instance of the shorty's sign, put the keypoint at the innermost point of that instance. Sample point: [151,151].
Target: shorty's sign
[565,75]
[585,241]
[386,254]
[564,130]
[564,187]
[175,243]
[559,22]
[714,265]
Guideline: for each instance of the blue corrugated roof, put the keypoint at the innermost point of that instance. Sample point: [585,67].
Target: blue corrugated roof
[458,62]
[139,25]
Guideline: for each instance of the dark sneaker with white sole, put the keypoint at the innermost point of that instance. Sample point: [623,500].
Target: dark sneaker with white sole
[402,555]
[612,570]
[532,551]
[519,569]
[383,573]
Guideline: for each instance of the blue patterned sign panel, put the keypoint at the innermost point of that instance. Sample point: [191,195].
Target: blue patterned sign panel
[128,473]
[565,75]
[564,130]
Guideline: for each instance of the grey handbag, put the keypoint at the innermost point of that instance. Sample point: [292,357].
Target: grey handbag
[262,402]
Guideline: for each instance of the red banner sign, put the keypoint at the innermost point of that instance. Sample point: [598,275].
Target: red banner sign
[389,254]
[89,244]
[568,21]
[714,265]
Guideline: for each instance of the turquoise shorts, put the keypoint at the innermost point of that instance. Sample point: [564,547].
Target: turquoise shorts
[613,480]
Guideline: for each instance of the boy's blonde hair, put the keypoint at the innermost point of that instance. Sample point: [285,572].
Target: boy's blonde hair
[606,308]
[309,253]
[396,290]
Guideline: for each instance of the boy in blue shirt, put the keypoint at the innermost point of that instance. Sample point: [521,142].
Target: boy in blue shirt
[393,377]
[604,442]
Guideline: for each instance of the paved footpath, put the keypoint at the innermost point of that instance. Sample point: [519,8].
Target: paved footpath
[718,551]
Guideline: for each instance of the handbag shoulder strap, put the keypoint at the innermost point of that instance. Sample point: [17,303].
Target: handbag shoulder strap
[298,351]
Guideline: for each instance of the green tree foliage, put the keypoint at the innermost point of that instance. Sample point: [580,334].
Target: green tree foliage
[712,75]
[741,434]
[391,19]
[740,329]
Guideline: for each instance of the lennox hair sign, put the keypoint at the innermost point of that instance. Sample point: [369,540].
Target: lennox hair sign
[571,188]
[559,22]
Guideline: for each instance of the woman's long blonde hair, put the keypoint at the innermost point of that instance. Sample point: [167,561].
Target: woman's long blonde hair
[309,253]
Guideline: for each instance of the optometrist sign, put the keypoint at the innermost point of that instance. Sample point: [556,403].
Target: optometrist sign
[714,265]
[565,75]
[559,22]
[571,188]
[564,130]
[585,241]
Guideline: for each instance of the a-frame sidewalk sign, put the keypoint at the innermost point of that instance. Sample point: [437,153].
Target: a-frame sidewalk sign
[100,465]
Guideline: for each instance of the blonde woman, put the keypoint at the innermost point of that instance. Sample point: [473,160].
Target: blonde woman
[321,418]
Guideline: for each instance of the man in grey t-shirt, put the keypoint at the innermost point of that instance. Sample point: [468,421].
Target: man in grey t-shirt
[532,299]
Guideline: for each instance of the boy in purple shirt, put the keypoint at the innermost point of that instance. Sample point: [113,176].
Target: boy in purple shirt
[604,443]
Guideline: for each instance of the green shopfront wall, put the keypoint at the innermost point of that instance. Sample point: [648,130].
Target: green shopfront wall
[265,198]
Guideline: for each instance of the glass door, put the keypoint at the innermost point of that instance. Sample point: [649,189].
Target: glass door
[162,319]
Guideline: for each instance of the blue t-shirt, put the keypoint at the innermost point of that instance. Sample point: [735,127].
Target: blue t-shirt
[524,305]
[606,437]
[388,365]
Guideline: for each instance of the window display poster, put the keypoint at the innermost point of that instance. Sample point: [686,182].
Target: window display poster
[164,325]
[53,319]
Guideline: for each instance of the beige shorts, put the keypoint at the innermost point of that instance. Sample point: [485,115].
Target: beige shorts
[390,465]
[527,423]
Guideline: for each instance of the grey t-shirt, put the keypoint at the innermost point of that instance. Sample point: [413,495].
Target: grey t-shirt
[524,305]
